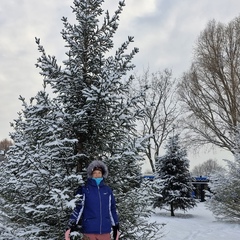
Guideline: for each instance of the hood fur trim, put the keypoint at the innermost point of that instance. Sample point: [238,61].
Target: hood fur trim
[97,163]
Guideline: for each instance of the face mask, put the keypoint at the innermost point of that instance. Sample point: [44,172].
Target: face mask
[98,180]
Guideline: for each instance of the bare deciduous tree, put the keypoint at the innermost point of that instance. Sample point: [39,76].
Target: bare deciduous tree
[207,168]
[210,90]
[160,109]
[5,144]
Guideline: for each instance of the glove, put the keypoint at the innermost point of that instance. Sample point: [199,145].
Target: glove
[115,231]
[74,227]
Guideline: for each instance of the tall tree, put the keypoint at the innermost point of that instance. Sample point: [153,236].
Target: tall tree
[210,90]
[94,100]
[90,115]
[125,179]
[159,102]
[173,178]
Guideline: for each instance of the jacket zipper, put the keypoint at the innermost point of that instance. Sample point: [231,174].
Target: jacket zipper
[100,203]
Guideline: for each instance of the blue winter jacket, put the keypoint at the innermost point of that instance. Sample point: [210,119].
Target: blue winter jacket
[96,209]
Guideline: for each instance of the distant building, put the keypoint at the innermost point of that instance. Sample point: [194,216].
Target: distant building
[149,177]
[200,185]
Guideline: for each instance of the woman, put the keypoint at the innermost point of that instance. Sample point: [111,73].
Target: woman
[96,211]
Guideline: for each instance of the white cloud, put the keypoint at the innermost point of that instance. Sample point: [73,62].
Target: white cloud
[139,8]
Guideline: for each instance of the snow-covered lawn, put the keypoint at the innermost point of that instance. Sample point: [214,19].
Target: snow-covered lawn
[196,224]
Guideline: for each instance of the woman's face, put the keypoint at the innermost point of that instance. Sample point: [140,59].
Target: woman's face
[97,174]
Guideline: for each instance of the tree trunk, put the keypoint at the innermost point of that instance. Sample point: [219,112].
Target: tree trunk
[172,210]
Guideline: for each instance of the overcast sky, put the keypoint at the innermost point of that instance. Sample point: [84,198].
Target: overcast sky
[165,32]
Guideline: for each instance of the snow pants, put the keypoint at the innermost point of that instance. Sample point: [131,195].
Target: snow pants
[105,236]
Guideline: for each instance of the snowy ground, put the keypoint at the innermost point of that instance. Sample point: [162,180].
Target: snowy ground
[196,224]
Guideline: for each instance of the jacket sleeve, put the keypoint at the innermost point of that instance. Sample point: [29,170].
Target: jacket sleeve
[77,212]
[113,210]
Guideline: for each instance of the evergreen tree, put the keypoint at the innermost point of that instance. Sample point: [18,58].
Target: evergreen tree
[91,87]
[225,188]
[132,195]
[173,178]
[89,116]
[35,176]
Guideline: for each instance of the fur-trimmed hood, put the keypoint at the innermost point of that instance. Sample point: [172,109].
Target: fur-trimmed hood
[97,164]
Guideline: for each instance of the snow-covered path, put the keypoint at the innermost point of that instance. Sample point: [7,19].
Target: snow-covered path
[196,224]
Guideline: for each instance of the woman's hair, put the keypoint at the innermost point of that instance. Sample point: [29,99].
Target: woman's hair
[97,165]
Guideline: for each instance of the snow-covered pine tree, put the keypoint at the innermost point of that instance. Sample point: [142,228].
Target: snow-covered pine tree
[35,176]
[132,195]
[91,87]
[94,118]
[225,188]
[173,180]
